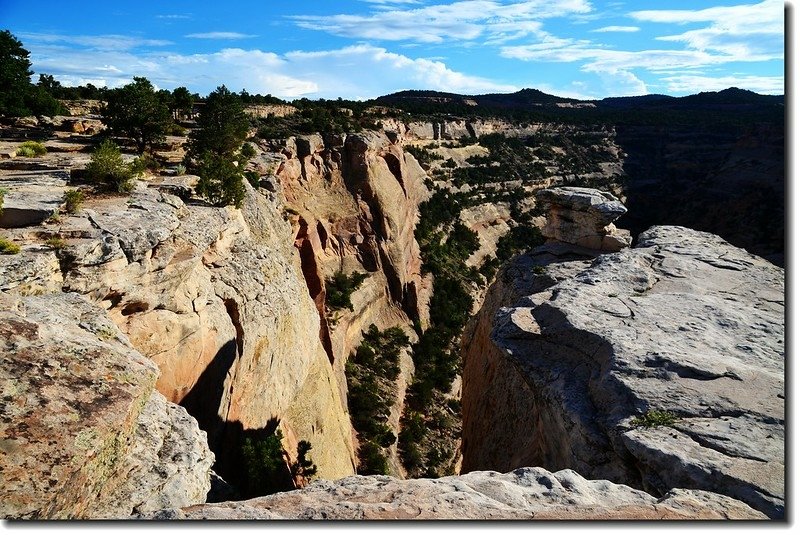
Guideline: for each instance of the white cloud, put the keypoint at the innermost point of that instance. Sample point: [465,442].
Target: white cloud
[100,42]
[623,29]
[743,30]
[360,71]
[464,20]
[174,17]
[220,35]
[693,84]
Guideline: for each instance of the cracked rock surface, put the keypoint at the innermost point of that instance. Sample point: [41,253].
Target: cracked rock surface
[684,323]
[527,493]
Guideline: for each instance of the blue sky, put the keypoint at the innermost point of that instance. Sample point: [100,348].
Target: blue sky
[365,48]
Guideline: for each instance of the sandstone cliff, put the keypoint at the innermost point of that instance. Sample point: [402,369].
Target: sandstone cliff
[353,205]
[658,367]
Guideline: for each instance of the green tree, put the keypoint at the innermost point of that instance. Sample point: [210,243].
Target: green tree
[220,180]
[222,125]
[182,102]
[221,129]
[15,75]
[135,111]
[266,468]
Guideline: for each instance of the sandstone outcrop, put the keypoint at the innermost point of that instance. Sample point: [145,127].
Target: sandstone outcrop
[213,297]
[82,433]
[525,494]
[262,111]
[490,222]
[684,330]
[584,217]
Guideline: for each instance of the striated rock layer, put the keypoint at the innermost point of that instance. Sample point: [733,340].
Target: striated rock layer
[527,493]
[82,432]
[684,324]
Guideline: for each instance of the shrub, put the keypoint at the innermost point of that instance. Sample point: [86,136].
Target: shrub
[253,178]
[220,180]
[175,130]
[340,287]
[8,247]
[31,149]
[180,169]
[655,418]
[372,460]
[108,170]
[73,198]
[56,242]
[247,151]
[371,389]
[3,192]
[145,162]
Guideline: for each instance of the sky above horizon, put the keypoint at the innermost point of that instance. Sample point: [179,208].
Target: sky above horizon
[360,49]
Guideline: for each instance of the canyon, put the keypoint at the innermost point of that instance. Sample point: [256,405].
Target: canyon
[161,333]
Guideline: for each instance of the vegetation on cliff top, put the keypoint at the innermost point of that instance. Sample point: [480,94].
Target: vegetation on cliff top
[221,130]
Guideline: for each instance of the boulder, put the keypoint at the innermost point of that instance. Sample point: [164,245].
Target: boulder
[83,435]
[525,494]
[583,216]
[659,367]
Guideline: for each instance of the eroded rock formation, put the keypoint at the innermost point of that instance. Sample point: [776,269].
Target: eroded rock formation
[213,297]
[584,217]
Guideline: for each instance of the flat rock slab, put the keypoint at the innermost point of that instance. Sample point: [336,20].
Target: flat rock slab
[32,196]
[684,323]
[524,494]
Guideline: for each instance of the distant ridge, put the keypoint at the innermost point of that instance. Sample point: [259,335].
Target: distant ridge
[524,98]
[730,98]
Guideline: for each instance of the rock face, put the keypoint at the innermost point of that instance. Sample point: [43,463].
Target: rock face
[496,401]
[353,204]
[584,217]
[169,463]
[82,433]
[490,222]
[527,493]
[684,324]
